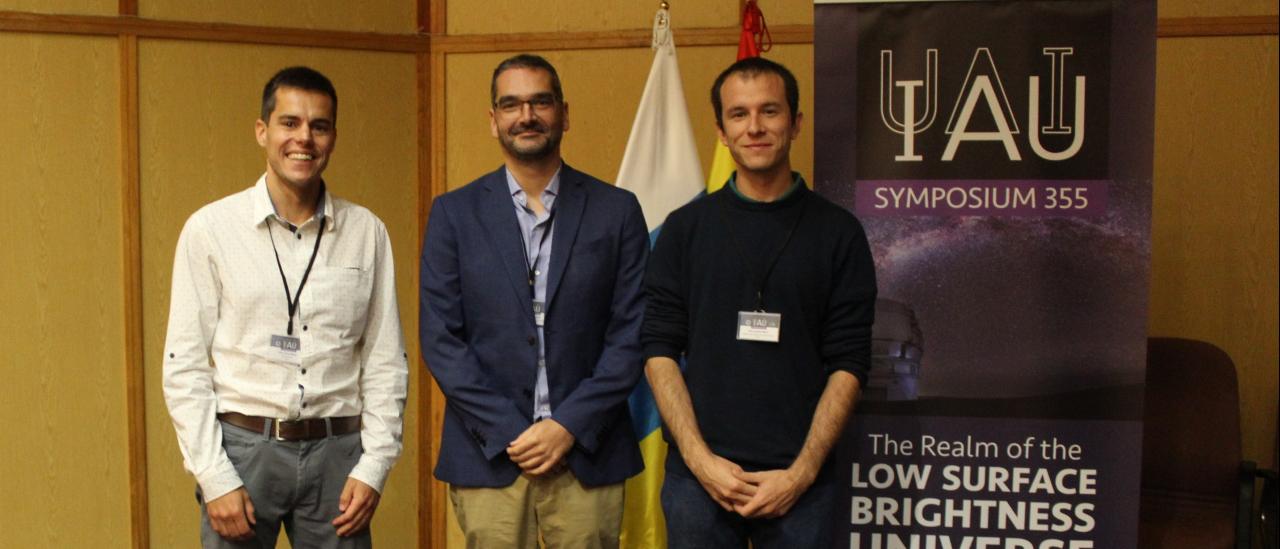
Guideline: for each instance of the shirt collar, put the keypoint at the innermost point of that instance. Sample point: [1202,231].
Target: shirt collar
[264,209]
[796,181]
[553,187]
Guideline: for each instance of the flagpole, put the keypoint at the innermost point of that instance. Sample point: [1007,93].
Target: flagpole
[661,166]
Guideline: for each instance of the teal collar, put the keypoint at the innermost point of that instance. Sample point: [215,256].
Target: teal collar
[796,181]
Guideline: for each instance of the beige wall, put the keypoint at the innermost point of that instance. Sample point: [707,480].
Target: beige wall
[1214,233]
[78,7]
[1214,217]
[385,16]
[64,454]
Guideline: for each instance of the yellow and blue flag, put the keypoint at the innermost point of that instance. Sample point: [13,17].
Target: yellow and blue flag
[662,168]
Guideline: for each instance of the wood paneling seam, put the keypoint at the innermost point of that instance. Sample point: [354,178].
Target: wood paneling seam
[131,222]
[1265,25]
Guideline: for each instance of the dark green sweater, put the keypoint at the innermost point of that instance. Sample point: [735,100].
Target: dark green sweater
[755,401]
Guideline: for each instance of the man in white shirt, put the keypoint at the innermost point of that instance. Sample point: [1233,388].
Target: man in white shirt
[284,368]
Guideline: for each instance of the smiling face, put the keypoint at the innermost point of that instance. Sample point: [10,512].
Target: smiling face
[526,117]
[758,126]
[298,138]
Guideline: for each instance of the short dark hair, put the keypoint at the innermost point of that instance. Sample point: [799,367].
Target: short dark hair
[754,66]
[303,78]
[525,61]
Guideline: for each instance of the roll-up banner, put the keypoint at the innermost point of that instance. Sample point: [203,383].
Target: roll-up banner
[999,155]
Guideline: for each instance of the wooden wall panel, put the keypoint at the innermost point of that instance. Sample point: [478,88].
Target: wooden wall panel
[198,102]
[602,88]
[385,16]
[787,12]
[517,16]
[77,7]
[1217,8]
[1214,228]
[64,457]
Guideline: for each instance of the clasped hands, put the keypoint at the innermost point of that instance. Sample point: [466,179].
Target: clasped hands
[761,494]
[541,448]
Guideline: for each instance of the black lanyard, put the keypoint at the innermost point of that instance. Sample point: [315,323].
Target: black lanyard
[745,257]
[293,301]
[531,262]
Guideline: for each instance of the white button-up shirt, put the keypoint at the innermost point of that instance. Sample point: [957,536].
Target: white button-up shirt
[228,300]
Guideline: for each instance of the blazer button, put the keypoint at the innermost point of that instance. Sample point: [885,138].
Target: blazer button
[527,392]
[533,340]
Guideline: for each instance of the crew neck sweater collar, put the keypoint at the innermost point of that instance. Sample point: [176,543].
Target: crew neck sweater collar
[792,195]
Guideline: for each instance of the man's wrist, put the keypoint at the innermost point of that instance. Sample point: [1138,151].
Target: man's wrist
[370,471]
[698,459]
[804,472]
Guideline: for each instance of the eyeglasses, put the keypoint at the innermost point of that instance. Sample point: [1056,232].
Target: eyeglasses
[541,103]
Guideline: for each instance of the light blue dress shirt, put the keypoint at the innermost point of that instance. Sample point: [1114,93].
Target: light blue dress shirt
[537,235]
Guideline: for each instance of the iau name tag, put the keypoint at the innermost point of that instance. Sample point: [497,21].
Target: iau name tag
[757,326]
[287,349]
[539,312]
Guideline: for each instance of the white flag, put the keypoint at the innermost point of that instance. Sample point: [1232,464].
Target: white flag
[661,163]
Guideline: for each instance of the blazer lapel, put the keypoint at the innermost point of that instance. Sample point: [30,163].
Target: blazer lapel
[498,218]
[569,207]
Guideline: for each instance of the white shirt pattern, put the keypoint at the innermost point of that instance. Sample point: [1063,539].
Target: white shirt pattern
[228,300]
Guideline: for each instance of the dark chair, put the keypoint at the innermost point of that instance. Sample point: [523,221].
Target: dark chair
[1269,507]
[1196,491]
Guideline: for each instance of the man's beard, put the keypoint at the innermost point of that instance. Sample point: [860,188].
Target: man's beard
[537,152]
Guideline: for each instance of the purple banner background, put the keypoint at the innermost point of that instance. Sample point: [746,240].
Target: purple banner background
[996,197]
[997,323]
[1106,515]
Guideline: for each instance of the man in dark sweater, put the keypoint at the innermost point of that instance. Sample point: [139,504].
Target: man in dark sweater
[767,291]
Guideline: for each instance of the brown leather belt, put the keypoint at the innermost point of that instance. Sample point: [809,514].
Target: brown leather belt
[301,429]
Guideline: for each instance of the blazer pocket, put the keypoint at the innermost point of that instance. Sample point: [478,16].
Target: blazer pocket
[593,247]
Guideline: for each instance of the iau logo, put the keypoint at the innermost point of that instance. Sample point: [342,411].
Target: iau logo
[909,107]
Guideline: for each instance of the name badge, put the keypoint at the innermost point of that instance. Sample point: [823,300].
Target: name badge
[539,312]
[757,326]
[287,349]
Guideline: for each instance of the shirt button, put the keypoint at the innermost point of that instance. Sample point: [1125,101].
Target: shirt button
[299,237]
[538,273]
[304,371]
[304,327]
[304,405]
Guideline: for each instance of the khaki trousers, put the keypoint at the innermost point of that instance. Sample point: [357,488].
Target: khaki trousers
[554,508]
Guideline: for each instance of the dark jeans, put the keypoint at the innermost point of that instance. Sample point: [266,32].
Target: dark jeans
[294,484]
[694,520]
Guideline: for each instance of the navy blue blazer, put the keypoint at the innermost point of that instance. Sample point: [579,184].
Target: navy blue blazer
[479,340]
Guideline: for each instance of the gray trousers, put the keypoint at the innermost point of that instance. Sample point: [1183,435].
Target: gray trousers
[295,484]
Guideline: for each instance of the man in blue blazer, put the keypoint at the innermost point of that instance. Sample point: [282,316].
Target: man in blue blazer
[530,321]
